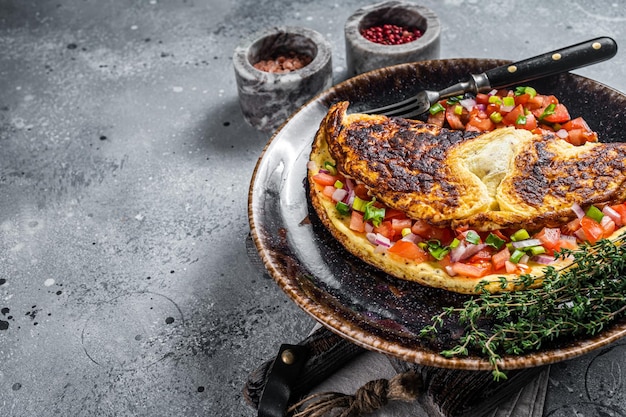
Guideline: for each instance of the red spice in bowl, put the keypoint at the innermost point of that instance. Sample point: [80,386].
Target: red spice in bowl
[284,63]
[389,34]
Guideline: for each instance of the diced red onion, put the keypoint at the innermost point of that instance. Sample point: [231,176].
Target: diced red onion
[468,103]
[324,171]
[614,215]
[412,237]
[464,251]
[450,270]
[369,228]
[580,234]
[578,210]
[524,259]
[349,199]
[382,240]
[506,109]
[543,259]
[527,243]
[371,237]
[569,238]
[606,223]
[339,194]
[481,107]
[492,92]
[312,166]
[562,133]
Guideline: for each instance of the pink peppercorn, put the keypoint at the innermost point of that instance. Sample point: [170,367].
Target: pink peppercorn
[388,34]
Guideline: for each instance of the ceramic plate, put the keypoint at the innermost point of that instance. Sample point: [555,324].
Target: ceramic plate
[357,301]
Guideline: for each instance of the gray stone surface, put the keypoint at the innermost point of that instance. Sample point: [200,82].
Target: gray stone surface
[125,284]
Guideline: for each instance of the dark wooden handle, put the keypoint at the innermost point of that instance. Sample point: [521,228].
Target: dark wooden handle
[561,60]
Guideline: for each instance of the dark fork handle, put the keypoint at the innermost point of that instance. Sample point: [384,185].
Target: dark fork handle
[561,60]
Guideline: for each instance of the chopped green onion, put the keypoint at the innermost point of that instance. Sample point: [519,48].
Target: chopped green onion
[548,111]
[494,241]
[436,108]
[458,110]
[328,166]
[508,101]
[516,256]
[595,213]
[521,234]
[495,100]
[406,231]
[525,90]
[373,213]
[455,242]
[472,237]
[342,207]
[521,120]
[338,184]
[453,100]
[359,204]
[495,117]
[536,250]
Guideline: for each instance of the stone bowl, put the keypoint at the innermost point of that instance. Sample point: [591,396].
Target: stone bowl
[266,98]
[363,55]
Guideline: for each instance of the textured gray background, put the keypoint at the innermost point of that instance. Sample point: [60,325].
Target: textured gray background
[125,286]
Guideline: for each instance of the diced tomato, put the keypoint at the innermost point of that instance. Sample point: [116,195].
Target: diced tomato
[608,226]
[511,117]
[518,269]
[356,222]
[482,98]
[549,237]
[567,243]
[398,224]
[621,209]
[453,119]
[560,115]
[428,231]
[391,213]
[323,178]
[437,118]
[385,229]
[328,191]
[571,227]
[522,99]
[480,256]
[479,122]
[408,250]
[592,229]
[498,259]
[472,271]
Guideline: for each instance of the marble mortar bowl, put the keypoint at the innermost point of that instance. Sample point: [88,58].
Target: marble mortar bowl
[363,55]
[267,99]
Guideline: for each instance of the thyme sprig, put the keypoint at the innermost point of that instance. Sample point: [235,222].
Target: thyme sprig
[579,300]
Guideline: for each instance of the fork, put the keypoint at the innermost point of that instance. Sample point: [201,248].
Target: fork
[550,63]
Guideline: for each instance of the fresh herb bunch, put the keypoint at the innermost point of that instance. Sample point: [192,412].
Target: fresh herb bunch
[579,300]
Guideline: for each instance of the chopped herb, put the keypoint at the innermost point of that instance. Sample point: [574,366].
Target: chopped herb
[330,167]
[342,208]
[494,241]
[373,213]
[436,108]
[452,100]
[525,90]
[548,111]
[521,120]
[472,237]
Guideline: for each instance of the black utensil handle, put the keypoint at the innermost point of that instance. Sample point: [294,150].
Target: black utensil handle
[561,60]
